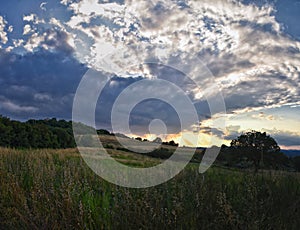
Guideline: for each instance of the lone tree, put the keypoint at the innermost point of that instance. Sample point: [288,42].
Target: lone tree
[255,145]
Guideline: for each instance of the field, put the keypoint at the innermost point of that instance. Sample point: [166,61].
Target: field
[54,189]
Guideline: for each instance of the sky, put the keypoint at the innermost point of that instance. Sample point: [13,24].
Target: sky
[244,53]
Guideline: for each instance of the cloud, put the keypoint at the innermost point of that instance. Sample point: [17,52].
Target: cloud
[50,39]
[3,30]
[238,42]
[14,108]
[223,34]
[33,18]
[284,137]
[43,6]
[263,116]
[42,97]
[42,84]
[232,132]
[49,34]
[27,29]
[252,60]
[143,112]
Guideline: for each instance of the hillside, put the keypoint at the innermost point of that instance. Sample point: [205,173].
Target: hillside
[58,134]
[55,189]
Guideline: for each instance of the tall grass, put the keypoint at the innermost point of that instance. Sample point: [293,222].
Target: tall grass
[54,189]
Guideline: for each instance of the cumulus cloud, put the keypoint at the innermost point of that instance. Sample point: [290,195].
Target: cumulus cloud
[39,33]
[245,49]
[3,30]
[27,29]
[50,39]
[33,18]
[239,44]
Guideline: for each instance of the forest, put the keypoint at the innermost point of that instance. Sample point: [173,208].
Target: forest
[47,133]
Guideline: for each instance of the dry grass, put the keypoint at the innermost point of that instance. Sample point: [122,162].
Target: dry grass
[54,189]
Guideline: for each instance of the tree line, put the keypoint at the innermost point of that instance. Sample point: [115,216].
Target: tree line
[249,150]
[47,133]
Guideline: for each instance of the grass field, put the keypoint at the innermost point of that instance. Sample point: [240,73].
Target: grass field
[54,189]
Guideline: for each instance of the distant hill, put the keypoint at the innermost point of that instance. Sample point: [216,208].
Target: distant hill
[291,153]
[53,133]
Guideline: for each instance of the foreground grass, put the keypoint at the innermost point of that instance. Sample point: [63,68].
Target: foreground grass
[54,189]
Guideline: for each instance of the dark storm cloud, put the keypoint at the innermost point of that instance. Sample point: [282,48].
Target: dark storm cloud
[283,138]
[39,84]
[286,138]
[258,92]
[214,131]
[43,84]
[152,109]
[145,110]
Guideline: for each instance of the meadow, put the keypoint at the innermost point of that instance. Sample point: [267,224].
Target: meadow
[55,189]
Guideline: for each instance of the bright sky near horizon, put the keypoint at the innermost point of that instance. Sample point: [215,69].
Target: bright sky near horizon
[252,49]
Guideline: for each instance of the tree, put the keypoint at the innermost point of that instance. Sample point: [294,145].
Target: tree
[103,132]
[157,140]
[255,145]
[172,143]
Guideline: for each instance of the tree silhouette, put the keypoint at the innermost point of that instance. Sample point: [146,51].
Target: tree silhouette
[255,145]
[157,140]
[47,133]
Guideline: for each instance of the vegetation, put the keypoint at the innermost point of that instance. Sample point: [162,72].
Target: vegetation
[255,145]
[250,150]
[158,140]
[48,133]
[54,189]
[255,150]
[296,162]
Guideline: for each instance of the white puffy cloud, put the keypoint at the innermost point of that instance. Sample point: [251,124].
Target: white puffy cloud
[33,18]
[65,2]
[55,38]
[254,63]
[18,42]
[3,30]
[34,42]
[242,45]
[27,29]
[10,29]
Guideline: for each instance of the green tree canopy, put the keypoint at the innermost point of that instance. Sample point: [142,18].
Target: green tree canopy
[256,141]
[255,146]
